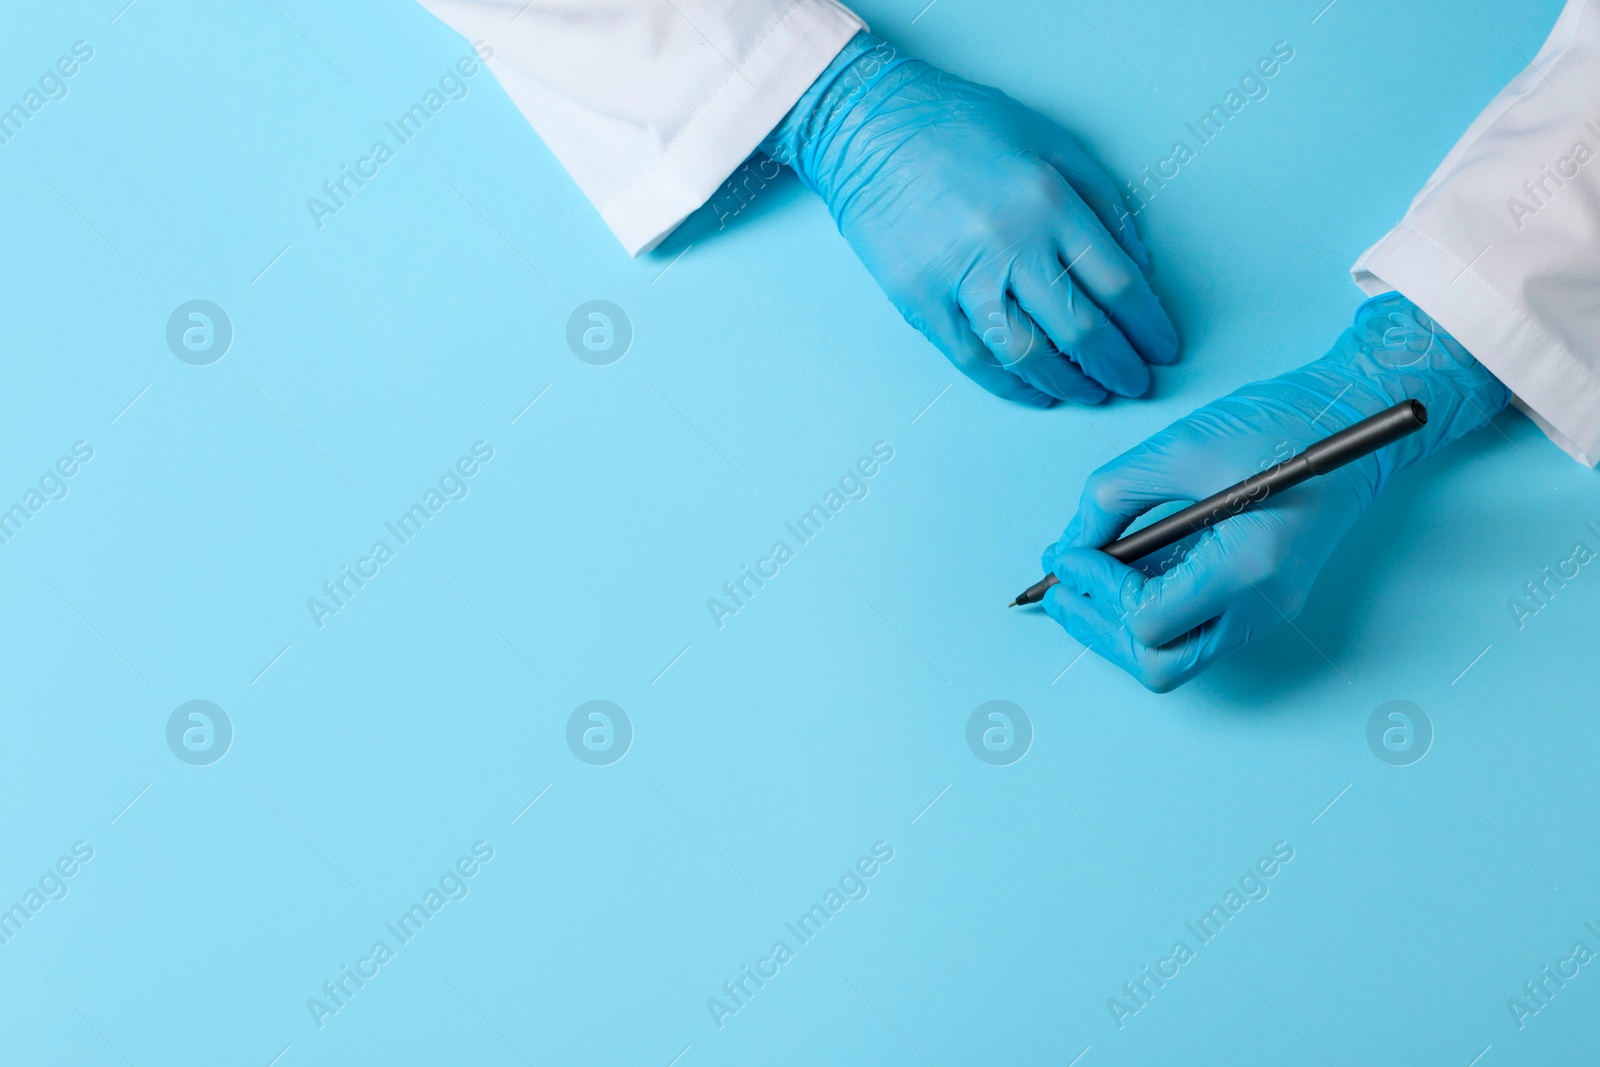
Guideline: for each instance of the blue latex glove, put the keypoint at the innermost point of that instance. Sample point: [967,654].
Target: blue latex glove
[989,228]
[1253,571]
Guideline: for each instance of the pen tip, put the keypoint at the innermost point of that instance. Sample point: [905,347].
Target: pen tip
[1012,604]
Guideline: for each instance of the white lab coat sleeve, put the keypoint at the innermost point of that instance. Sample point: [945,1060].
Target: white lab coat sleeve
[1502,245]
[651,104]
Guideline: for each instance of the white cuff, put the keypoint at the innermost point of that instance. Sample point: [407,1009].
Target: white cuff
[1553,387]
[730,124]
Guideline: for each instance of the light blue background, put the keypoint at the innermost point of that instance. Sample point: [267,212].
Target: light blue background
[825,716]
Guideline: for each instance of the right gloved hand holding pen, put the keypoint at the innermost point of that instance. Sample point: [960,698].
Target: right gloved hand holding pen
[1251,572]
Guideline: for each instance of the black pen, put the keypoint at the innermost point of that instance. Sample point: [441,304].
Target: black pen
[1330,453]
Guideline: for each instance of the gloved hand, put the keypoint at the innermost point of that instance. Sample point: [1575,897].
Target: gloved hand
[1253,571]
[989,228]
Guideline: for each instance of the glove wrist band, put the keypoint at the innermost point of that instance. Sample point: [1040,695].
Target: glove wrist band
[1392,352]
[804,132]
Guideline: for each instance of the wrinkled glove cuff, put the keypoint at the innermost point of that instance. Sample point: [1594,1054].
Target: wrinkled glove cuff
[804,135]
[1392,352]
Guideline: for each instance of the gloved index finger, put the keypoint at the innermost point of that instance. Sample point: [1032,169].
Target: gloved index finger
[1116,495]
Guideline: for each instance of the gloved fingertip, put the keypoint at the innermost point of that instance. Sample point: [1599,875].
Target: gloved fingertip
[1171,356]
[1012,388]
[1008,386]
[1133,379]
[1165,345]
[1062,380]
[1108,358]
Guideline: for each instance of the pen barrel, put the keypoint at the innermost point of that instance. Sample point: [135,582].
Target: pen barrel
[1366,436]
[1210,511]
[1346,446]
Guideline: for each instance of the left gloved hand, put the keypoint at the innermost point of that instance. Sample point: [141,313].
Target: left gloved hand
[1251,572]
[989,228]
